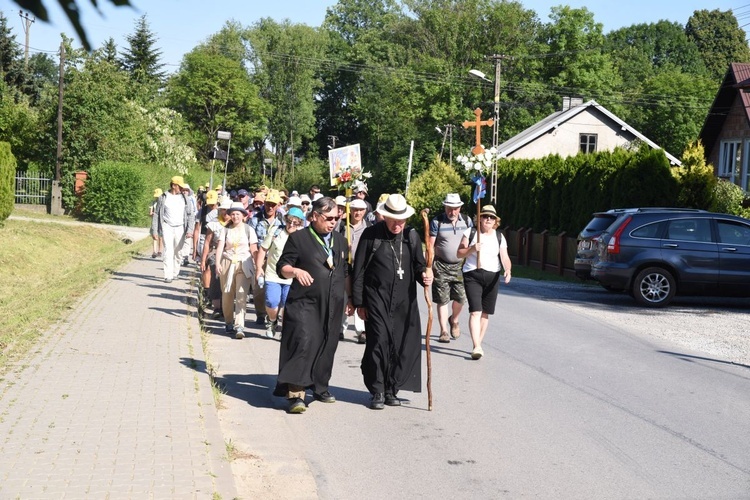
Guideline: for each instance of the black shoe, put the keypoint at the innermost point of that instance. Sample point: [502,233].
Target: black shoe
[377,402]
[392,400]
[296,405]
[324,397]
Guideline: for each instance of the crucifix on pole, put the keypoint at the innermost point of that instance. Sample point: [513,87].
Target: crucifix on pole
[478,149]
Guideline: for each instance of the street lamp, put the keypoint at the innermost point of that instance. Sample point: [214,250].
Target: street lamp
[225,136]
[333,140]
[269,162]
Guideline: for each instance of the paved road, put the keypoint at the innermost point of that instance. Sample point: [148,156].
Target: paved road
[564,405]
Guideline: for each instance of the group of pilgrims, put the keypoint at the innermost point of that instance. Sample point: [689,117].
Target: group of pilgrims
[310,262]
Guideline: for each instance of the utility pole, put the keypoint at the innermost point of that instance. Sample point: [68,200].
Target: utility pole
[28,20]
[56,196]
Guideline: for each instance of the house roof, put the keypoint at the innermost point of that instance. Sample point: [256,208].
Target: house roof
[558,118]
[736,78]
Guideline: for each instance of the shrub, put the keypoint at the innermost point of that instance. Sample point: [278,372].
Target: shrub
[697,180]
[728,198]
[428,190]
[117,193]
[7,176]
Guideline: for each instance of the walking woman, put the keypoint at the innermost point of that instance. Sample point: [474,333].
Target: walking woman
[237,246]
[481,281]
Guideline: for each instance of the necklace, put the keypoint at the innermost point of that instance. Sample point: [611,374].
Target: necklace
[398,259]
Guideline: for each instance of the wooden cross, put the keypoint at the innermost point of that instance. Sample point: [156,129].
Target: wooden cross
[478,149]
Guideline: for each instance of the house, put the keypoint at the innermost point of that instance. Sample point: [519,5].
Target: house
[579,128]
[726,132]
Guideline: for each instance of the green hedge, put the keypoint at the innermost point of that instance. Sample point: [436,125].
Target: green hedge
[117,193]
[7,178]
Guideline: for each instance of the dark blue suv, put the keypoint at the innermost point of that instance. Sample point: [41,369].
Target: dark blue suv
[655,254]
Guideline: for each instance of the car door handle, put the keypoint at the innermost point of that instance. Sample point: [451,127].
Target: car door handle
[670,245]
[729,249]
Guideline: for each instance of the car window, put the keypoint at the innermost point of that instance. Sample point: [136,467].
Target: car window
[599,223]
[652,230]
[689,230]
[733,233]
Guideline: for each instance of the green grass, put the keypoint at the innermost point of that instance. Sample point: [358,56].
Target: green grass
[539,275]
[47,269]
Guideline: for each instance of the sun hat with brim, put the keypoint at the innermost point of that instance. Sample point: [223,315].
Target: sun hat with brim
[273,196]
[304,198]
[157,192]
[294,201]
[212,197]
[296,212]
[317,196]
[452,200]
[489,210]
[357,203]
[177,179]
[225,203]
[395,207]
[341,201]
[237,207]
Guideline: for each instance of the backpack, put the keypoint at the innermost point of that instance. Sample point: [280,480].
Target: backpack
[473,233]
[377,242]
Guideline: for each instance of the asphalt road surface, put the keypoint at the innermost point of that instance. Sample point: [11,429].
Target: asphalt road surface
[579,395]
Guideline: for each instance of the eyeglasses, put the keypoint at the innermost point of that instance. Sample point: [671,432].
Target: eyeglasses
[488,217]
[305,202]
[293,223]
[270,204]
[329,219]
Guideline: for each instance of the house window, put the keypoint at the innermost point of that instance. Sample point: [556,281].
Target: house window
[730,162]
[588,143]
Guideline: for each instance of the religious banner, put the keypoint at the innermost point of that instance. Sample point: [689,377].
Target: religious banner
[344,164]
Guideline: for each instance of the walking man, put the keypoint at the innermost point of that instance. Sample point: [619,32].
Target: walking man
[317,260]
[174,211]
[446,231]
[388,264]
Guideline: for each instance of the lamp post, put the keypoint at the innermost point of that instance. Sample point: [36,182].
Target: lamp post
[333,140]
[225,136]
[269,162]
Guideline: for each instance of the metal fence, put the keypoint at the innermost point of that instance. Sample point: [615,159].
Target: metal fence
[32,189]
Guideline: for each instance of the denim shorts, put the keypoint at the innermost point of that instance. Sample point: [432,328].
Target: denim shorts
[276,294]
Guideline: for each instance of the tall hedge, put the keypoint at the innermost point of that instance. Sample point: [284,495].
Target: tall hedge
[117,193]
[7,176]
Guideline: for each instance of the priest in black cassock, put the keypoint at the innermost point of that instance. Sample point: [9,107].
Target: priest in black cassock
[318,260]
[389,263]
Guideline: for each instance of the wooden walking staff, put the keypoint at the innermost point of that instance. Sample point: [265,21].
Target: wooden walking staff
[477,150]
[346,223]
[429,258]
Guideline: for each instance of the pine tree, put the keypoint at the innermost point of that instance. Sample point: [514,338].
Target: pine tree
[141,59]
[11,55]
[109,52]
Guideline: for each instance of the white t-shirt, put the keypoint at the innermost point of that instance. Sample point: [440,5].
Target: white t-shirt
[174,210]
[489,256]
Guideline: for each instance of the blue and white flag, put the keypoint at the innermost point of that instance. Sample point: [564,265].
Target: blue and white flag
[480,187]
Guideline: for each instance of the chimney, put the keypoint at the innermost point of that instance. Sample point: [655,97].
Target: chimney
[571,102]
[566,103]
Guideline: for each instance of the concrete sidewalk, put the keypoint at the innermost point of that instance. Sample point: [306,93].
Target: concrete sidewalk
[115,402]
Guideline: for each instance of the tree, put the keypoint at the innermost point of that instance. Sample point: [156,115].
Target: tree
[141,58]
[108,52]
[11,62]
[213,92]
[285,58]
[719,39]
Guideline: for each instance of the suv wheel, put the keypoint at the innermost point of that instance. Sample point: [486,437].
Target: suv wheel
[654,287]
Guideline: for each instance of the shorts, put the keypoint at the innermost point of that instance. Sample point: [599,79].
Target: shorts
[481,290]
[447,283]
[214,287]
[276,294]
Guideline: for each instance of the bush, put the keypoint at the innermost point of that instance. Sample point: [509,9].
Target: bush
[728,198]
[697,180]
[428,190]
[7,177]
[117,193]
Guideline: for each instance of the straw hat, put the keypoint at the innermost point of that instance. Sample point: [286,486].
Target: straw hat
[395,207]
[489,210]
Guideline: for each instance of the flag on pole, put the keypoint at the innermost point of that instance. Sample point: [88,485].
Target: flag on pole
[480,187]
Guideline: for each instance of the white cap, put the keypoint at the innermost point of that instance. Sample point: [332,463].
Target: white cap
[317,196]
[294,201]
[357,203]
[341,201]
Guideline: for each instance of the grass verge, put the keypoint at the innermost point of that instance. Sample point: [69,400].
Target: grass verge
[47,269]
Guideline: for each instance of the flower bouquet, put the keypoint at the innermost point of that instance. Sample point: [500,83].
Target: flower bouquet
[480,163]
[352,178]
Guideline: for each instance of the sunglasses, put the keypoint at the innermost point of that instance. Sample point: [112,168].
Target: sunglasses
[488,217]
[305,202]
[331,218]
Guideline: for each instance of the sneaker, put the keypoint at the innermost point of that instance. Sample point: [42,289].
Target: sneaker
[217,315]
[167,280]
[270,328]
[296,405]
[444,338]
[229,329]
[153,255]
[239,334]
[378,401]
[260,320]
[477,353]
[455,329]
[158,254]
[361,338]
[185,261]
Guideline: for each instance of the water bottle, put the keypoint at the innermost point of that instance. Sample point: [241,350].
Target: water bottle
[261,281]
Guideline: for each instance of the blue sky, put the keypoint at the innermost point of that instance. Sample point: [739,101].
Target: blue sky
[180,25]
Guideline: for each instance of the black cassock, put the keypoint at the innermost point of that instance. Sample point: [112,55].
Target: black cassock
[312,315]
[393,352]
